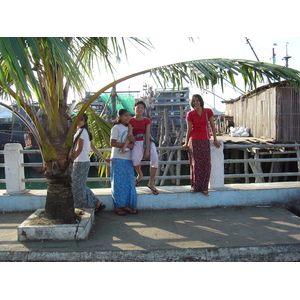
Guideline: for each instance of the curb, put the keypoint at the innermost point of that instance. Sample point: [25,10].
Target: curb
[273,253]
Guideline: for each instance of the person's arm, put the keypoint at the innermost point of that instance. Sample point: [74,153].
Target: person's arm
[96,151]
[79,148]
[188,134]
[129,138]
[213,129]
[130,133]
[114,143]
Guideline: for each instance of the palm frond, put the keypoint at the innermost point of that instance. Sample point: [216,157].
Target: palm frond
[99,128]
[97,50]
[211,71]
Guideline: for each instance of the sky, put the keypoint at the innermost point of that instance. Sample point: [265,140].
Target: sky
[219,29]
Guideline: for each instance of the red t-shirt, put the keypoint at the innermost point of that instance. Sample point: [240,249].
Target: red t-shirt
[139,127]
[200,124]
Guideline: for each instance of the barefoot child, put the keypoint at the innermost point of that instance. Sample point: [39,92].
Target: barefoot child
[143,146]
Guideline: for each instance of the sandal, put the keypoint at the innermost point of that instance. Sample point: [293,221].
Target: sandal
[154,191]
[130,210]
[120,212]
[205,193]
[99,208]
[137,183]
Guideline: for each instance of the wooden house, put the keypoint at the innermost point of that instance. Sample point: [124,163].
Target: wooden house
[271,112]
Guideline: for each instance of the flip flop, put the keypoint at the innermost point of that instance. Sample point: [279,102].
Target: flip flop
[99,208]
[137,183]
[154,191]
[120,212]
[205,193]
[131,210]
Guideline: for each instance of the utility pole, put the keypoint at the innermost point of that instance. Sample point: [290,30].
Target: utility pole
[248,42]
[287,57]
[273,54]
[113,102]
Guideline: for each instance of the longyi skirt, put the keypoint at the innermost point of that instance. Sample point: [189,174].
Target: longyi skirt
[82,195]
[122,183]
[200,164]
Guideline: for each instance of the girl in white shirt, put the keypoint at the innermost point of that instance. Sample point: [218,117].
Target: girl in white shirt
[82,195]
[122,171]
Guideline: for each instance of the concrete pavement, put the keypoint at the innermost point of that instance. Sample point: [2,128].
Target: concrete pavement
[255,233]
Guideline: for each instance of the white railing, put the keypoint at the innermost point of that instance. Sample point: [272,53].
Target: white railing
[172,169]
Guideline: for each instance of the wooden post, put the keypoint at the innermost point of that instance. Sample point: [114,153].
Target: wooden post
[246,166]
[178,167]
[256,167]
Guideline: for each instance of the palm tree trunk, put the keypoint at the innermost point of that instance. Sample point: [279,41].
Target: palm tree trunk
[59,202]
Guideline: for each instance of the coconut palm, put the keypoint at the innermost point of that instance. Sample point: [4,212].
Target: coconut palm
[48,67]
[45,69]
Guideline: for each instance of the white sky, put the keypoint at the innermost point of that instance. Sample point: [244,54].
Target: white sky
[220,25]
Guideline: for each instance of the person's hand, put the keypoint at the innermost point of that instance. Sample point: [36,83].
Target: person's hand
[131,138]
[108,160]
[217,144]
[130,145]
[146,154]
[185,147]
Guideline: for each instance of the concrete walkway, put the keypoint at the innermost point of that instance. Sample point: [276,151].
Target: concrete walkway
[202,234]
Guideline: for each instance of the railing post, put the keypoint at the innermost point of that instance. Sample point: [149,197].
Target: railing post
[217,165]
[14,170]
[178,166]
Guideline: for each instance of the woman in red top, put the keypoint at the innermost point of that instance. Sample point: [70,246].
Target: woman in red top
[143,146]
[197,143]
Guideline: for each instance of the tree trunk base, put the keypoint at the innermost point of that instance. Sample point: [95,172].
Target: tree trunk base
[59,202]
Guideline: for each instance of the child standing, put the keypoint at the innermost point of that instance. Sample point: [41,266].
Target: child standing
[143,147]
[83,196]
[122,171]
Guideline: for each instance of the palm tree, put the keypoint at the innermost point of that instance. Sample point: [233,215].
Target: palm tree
[47,67]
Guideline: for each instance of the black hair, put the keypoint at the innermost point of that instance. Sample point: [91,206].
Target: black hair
[121,112]
[140,102]
[199,98]
[85,117]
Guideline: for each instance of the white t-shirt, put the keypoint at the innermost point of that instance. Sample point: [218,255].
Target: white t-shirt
[119,133]
[84,155]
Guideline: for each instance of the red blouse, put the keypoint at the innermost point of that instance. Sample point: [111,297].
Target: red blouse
[200,124]
[139,126]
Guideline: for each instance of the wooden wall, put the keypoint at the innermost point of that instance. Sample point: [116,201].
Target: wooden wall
[288,115]
[270,112]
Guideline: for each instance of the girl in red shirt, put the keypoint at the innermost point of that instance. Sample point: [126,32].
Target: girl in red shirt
[197,143]
[143,146]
